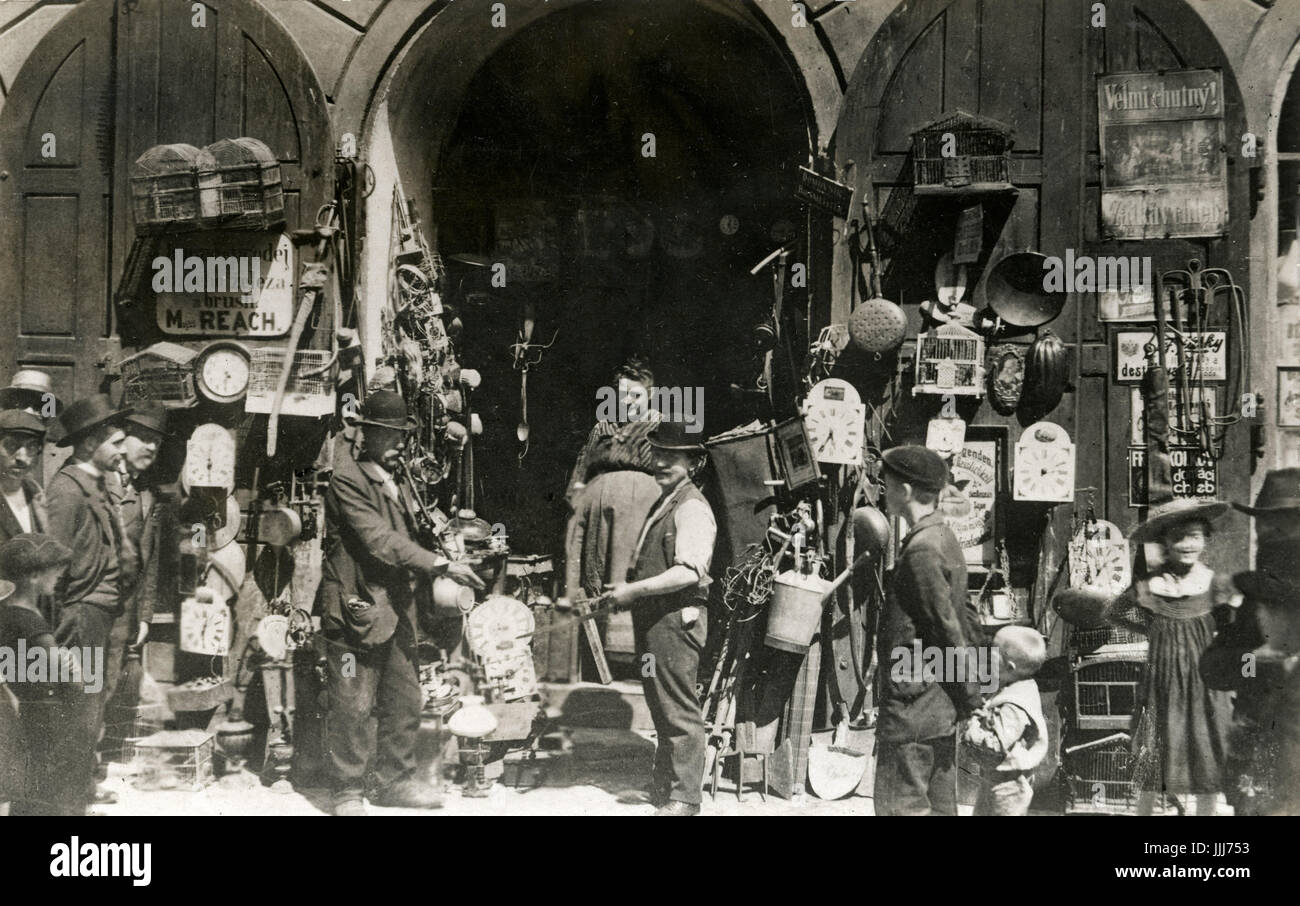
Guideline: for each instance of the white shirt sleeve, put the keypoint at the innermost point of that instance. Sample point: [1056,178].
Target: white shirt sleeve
[696,534]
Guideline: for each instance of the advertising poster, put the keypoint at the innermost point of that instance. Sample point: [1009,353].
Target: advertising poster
[1164,171]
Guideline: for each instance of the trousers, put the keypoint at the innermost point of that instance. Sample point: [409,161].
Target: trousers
[374,712]
[916,778]
[669,659]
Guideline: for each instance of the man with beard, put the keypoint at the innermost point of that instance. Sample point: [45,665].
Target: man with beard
[83,518]
[369,615]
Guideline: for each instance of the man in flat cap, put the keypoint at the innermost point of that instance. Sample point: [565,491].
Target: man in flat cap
[22,502]
[1254,655]
[84,519]
[369,615]
[925,602]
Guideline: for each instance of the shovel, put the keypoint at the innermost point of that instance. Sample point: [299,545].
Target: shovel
[835,771]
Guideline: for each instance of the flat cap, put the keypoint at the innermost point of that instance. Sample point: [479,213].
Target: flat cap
[21,421]
[917,465]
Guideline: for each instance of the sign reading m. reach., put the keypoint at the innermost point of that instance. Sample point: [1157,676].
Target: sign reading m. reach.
[239,288]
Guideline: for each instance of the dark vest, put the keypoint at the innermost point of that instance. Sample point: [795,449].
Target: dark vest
[659,549]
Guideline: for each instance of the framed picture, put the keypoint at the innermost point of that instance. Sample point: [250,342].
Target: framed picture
[1288,396]
[798,465]
[970,502]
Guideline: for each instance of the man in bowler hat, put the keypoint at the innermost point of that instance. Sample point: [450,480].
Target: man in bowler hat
[667,590]
[369,615]
[1254,654]
[82,516]
[925,601]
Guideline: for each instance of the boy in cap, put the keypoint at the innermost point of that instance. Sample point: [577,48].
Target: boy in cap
[925,602]
[22,503]
[1010,732]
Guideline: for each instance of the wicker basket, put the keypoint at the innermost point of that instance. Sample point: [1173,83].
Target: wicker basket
[249,191]
[173,188]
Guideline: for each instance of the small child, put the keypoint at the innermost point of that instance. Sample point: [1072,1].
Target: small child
[1009,734]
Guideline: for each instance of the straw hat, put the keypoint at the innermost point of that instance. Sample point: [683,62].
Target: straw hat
[1173,512]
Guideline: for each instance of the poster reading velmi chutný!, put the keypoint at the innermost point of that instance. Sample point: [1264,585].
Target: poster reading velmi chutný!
[1164,170]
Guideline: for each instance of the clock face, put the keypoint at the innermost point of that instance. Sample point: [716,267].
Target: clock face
[205,627]
[1044,473]
[223,372]
[729,225]
[210,458]
[495,626]
[835,431]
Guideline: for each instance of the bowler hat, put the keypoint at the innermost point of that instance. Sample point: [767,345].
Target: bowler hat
[674,436]
[20,421]
[1266,586]
[386,409]
[1280,492]
[29,389]
[1181,509]
[917,465]
[86,414]
[150,415]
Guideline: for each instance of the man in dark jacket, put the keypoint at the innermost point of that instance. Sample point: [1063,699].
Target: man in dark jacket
[82,516]
[368,615]
[22,502]
[1242,658]
[925,616]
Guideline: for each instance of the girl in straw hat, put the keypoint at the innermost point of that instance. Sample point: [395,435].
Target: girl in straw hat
[1180,735]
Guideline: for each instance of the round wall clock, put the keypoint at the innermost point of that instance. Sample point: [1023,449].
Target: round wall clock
[222,371]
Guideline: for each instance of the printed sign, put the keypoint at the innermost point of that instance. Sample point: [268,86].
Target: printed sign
[1136,304]
[1137,435]
[967,502]
[1164,171]
[1194,473]
[969,242]
[224,288]
[1206,353]
[1288,397]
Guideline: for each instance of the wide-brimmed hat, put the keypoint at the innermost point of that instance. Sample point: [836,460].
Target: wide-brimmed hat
[1180,509]
[20,421]
[87,414]
[1280,491]
[150,415]
[386,409]
[674,436]
[29,389]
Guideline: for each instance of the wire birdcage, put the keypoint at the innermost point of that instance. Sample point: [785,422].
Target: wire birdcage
[249,190]
[1100,773]
[1105,692]
[962,154]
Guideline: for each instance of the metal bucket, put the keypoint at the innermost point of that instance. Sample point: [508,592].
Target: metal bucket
[796,611]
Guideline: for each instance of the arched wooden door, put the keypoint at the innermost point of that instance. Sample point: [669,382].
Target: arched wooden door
[110,80]
[1032,64]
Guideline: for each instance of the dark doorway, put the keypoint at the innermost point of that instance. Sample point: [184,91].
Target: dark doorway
[629,165]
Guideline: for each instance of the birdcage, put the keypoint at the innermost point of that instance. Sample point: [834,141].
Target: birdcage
[173,188]
[162,373]
[949,359]
[249,191]
[1105,691]
[1100,774]
[172,760]
[962,154]
[310,391]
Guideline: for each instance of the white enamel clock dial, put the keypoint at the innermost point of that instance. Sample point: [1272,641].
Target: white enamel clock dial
[834,417]
[223,372]
[495,626]
[210,459]
[1044,473]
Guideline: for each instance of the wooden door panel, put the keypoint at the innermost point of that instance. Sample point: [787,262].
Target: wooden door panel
[53,258]
[1011,68]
